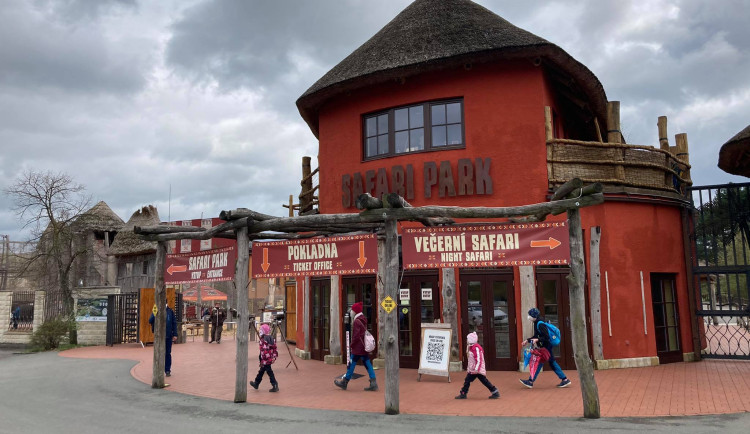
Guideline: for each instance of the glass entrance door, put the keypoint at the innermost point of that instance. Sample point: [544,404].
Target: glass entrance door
[554,305]
[488,310]
[320,329]
[666,318]
[421,306]
[361,289]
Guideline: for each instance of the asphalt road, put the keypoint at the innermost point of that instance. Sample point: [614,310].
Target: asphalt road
[45,393]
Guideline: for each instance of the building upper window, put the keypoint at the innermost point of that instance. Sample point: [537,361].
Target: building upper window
[422,127]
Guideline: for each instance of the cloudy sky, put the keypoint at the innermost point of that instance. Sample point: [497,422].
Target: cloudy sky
[131,96]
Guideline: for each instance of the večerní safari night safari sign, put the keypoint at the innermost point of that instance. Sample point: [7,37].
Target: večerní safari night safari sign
[355,254]
[486,245]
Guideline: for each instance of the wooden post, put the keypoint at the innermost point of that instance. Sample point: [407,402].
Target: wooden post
[391,323]
[550,146]
[661,124]
[595,296]
[160,319]
[306,315]
[682,153]
[243,322]
[693,302]
[614,135]
[589,389]
[380,285]
[598,130]
[450,309]
[306,196]
[334,339]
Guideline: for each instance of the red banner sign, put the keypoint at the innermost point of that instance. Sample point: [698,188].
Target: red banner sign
[486,245]
[356,254]
[206,266]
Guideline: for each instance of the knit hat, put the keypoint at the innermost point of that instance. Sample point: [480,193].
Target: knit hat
[472,338]
[534,313]
[265,329]
[357,307]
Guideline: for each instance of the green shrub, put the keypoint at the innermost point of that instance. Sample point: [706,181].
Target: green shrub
[51,333]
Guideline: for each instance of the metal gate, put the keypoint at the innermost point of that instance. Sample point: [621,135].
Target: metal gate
[122,318]
[720,231]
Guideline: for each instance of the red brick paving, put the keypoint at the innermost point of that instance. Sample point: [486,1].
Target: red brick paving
[199,368]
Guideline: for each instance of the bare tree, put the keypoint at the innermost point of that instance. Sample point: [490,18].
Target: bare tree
[48,203]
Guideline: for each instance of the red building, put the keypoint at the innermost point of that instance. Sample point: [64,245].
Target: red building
[449,104]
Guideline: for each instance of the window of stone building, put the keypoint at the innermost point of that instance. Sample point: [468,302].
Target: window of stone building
[421,127]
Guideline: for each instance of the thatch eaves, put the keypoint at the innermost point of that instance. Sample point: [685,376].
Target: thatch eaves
[734,156]
[99,218]
[431,35]
[127,242]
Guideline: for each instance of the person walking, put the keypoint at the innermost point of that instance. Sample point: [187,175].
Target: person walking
[359,326]
[170,336]
[475,368]
[541,339]
[266,357]
[16,316]
[218,315]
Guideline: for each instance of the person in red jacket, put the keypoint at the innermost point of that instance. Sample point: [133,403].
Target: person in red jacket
[266,357]
[359,326]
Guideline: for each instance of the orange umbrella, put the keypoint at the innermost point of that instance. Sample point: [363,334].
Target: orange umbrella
[207,294]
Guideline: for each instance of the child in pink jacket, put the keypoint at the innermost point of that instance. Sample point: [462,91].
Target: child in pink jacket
[475,368]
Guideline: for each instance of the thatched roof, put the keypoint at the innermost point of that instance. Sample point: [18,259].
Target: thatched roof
[734,156]
[127,242]
[430,35]
[99,218]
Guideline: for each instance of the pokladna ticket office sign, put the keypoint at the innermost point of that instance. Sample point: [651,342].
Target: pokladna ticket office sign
[354,254]
[205,266]
[486,245]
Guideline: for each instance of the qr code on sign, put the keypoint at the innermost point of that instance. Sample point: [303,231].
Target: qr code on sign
[435,351]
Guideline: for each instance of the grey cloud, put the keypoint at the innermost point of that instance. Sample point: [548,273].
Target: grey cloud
[39,49]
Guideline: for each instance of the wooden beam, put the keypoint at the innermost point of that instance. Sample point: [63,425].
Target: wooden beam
[243,321]
[367,201]
[589,389]
[241,213]
[160,319]
[595,293]
[391,319]
[567,188]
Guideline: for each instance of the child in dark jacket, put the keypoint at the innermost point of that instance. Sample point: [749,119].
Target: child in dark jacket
[475,368]
[267,356]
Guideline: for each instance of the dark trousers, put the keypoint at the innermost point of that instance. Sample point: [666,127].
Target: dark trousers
[216,332]
[482,379]
[266,369]
[168,356]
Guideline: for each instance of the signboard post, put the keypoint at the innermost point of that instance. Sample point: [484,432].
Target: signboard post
[434,357]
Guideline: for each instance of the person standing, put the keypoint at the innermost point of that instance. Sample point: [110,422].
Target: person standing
[170,336]
[266,357]
[475,368]
[218,315]
[16,316]
[542,339]
[359,326]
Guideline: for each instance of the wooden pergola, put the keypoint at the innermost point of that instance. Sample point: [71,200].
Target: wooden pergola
[382,215]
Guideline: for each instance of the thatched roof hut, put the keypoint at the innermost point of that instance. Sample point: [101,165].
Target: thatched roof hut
[127,242]
[433,35]
[99,218]
[734,156]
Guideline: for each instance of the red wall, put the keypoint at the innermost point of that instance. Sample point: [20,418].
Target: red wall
[504,121]
[636,237]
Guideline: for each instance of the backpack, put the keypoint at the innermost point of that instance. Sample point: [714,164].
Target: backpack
[552,331]
[369,342]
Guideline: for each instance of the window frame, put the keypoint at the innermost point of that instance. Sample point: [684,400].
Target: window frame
[426,126]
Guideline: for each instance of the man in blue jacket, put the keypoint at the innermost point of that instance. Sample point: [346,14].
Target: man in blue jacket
[170,336]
